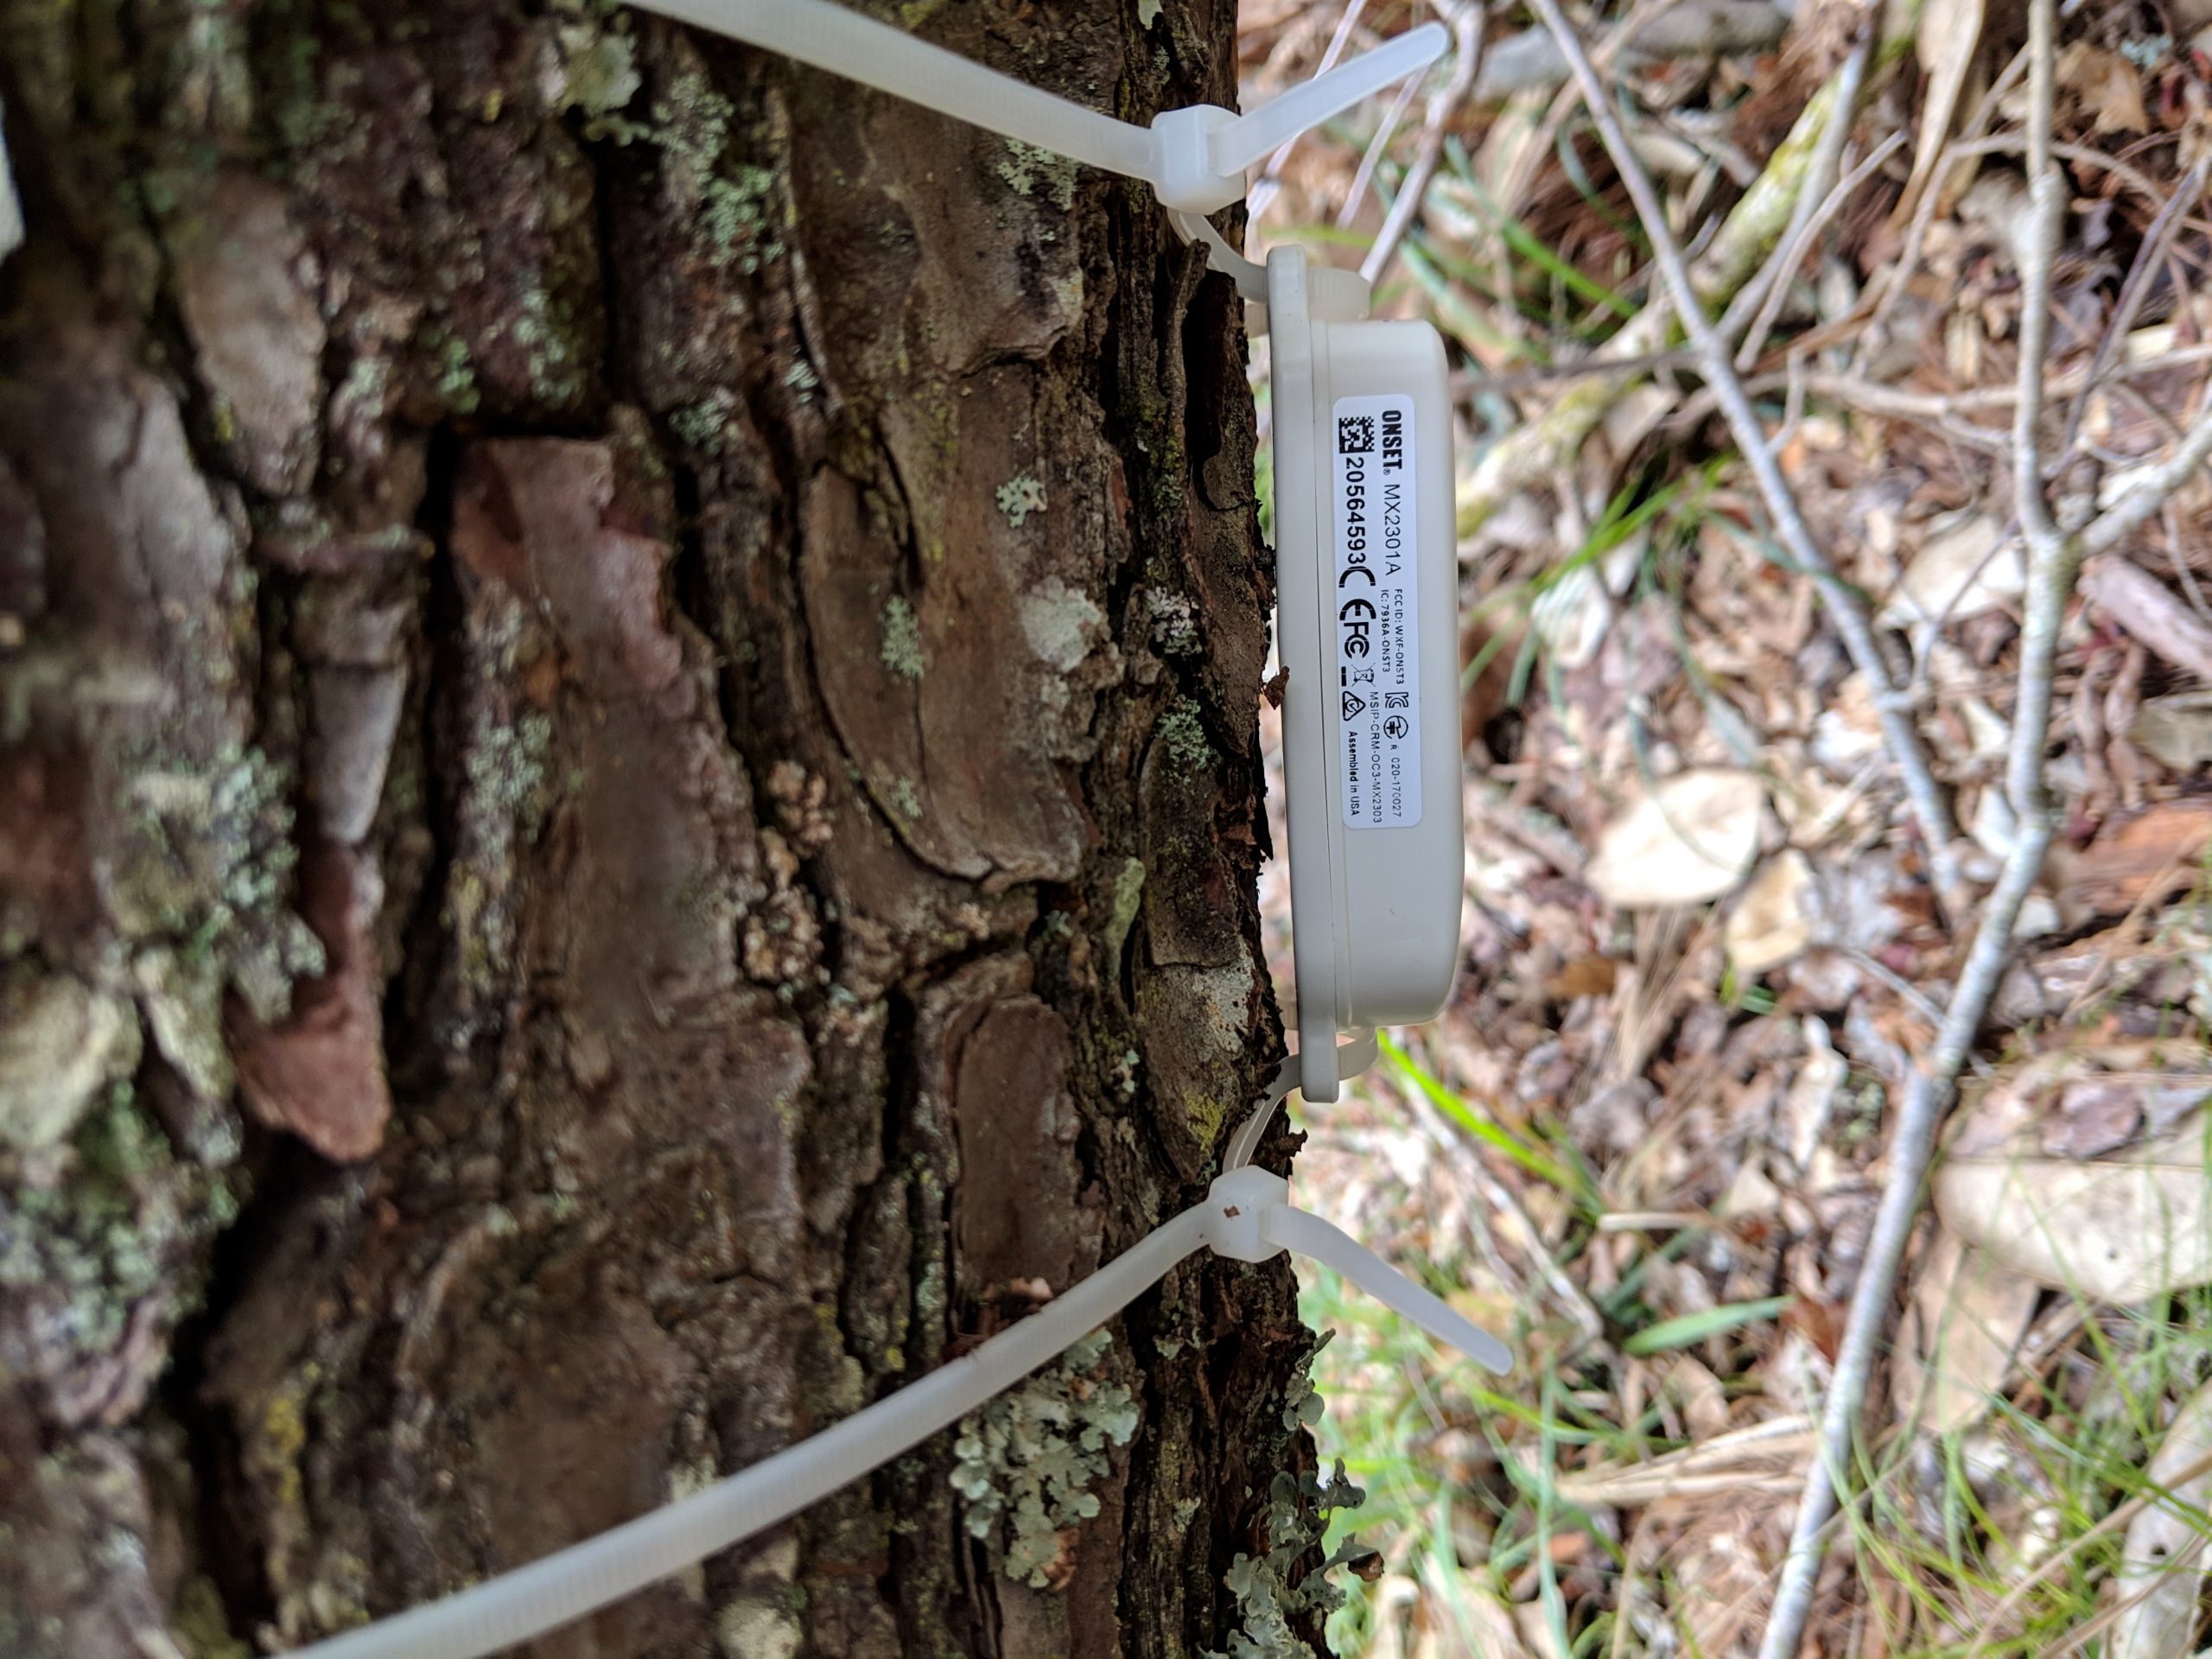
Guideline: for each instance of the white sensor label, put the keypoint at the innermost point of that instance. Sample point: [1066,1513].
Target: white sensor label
[1377,601]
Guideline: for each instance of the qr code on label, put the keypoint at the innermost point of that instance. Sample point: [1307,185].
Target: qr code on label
[1355,434]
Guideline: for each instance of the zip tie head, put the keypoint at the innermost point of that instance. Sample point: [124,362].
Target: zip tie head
[1237,1207]
[1189,180]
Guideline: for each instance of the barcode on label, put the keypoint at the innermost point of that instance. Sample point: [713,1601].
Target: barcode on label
[1377,605]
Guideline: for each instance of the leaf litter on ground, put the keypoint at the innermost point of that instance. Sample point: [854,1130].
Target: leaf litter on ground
[1701,956]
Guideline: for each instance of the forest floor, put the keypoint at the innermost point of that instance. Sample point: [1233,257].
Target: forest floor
[1705,946]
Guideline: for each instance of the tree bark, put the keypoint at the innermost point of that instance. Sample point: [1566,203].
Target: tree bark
[629,803]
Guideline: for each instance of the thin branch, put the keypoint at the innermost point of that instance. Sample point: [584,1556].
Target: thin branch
[1530,62]
[2051,561]
[2132,292]
[1537,446]
[1377,146]
[2053,557]
[1779,272]
[1843,607]
[2129,514]
[1465,17]
[1926,1097]
[1754,345]
[1262,193]
[1940,412]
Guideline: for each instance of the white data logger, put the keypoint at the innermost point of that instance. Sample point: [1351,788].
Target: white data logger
[1367,627]
[1365,544]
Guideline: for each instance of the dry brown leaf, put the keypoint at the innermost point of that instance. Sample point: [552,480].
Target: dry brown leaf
[1803,1118]
[2109,87]
[1957,1343]
[2176,730]
[1772,922]
[2150,611]
[1535,1629]
[1704,1398]
[2157,847]
[1719,1571]
[320,1071]
[1687,841]
[1967,568]
[2163,1563]
[2115,1231]
[1584,977]
[2022,1110]
[1945,43]
[1767,1457]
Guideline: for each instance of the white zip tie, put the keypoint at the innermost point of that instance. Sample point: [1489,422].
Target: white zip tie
[1247,1217]
[1352,1058]
[1195,158]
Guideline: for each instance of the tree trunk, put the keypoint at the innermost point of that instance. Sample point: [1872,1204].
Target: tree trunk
[629,803]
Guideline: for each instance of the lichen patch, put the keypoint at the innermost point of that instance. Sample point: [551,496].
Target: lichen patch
[1032,1456]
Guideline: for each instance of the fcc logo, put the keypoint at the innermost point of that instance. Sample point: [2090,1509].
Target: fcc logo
[1355,434]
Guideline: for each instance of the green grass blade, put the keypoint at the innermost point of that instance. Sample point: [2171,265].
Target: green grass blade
[1495,1136]
[1686,1329]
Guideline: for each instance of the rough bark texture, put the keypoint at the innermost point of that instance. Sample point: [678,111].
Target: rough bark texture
[628,804]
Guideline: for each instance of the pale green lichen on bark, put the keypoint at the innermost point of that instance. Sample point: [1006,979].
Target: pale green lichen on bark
[1183,732]
[1267,1601]
[508,794]
[702,425]
[203,888]
[1174,623]
[542,324]
[1300,1507]
[1032,1455]
[108,1233]
[1128,893]
[1018,498]
[599,65]
[691,123]
[902,639]
[456,379]
[1302,1404]
[1029,169]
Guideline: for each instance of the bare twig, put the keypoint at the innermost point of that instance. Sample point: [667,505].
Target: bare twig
[2135,289]
[1843,607]
[2053,556]
[1262,193]
[2052,560]
[1530,60]
[1376,148]
[1465,17]
[1776,276]
[2132,510]
[1941,412]
[1529,454]
[1794,252]
[1925,1098]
